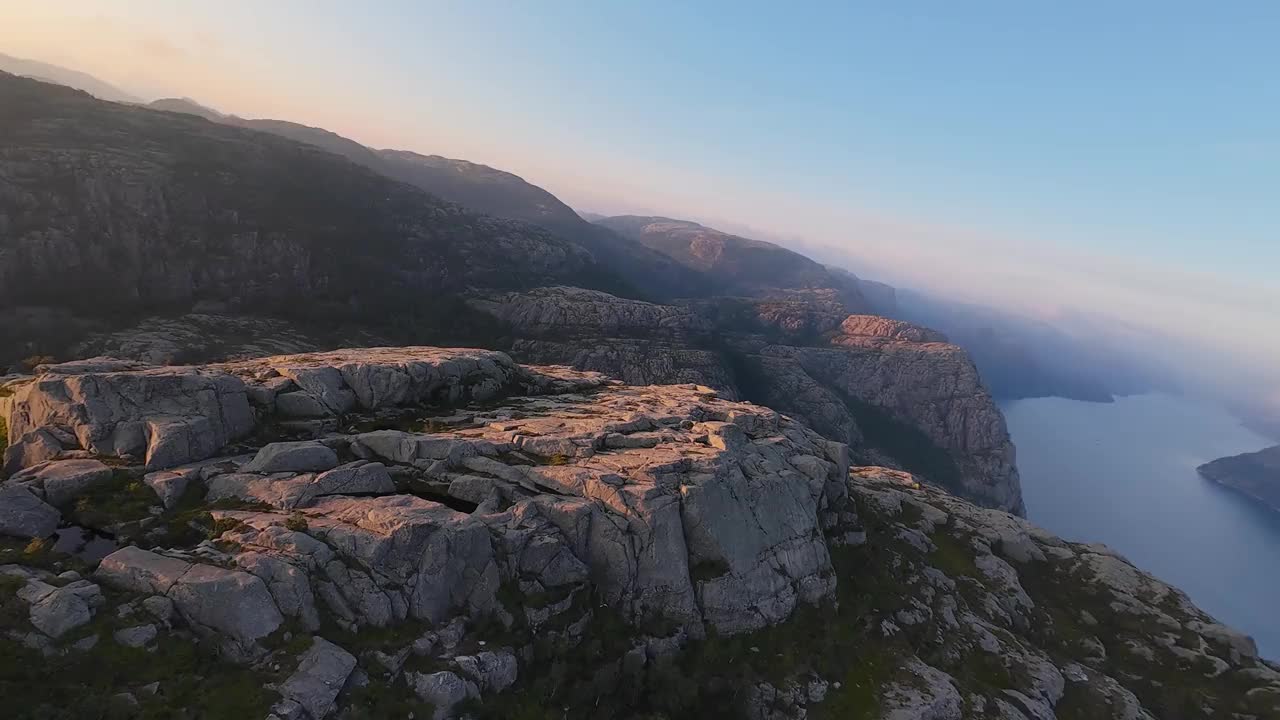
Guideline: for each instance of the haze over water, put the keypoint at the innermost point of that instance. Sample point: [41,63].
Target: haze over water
[1124,474]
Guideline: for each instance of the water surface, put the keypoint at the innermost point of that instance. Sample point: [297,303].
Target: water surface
[1125,474]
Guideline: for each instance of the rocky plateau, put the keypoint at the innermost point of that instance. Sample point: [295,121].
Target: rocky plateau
[427,532]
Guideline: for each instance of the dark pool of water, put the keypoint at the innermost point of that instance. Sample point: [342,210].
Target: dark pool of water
[1125,474]
[85,544]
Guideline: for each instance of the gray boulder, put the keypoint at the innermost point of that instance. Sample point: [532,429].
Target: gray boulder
[233,604]
[321,673]
[62,481]
[31,448]
[63,609]
[169,485]
[301,456]
[24,515]
[137,636]
[492,671]
[133,568]
[300,404]
[443,689]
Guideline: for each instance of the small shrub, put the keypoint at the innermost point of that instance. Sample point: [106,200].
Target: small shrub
[37,546]
[296,522]
[226,524]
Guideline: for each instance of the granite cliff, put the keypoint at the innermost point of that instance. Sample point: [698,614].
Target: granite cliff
[895,392]
[374,533]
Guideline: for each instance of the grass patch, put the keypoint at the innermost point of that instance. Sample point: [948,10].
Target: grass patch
[194,683]
[380,699]
[952,555]
[123,499]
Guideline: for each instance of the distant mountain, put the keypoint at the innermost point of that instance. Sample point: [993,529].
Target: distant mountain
[1254,474]
[479,186]
[487,190]
[111,211]
[186,106]
[63,76]
[737,265]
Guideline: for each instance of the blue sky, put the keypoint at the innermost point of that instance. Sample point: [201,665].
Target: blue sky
[1121,154]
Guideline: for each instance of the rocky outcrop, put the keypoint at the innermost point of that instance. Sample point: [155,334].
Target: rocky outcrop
[1256,475]
[488,538]
[577,312]
[634,361]
[894,391]
[165,416]
[932,389]
[879,327]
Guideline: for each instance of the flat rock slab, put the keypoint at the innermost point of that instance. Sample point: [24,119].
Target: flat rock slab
[287,492]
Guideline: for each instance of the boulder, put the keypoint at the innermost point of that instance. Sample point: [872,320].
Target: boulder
[300,404]
[137,636]
[63,609]
[31,448]
[492,671]
[356,478]
[170,485]
[322,672]
[62,481]
[24,515]
[233,603]
[443,689]
[301,456]
[132,568]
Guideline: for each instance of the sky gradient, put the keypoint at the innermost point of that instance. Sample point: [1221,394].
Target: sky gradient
[1095,157]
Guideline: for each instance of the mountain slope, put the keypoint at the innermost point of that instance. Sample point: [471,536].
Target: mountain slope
[736,265]
[48,72]
[487,190]
[110,210]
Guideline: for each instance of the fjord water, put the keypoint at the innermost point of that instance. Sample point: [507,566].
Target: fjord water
[1124,474]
